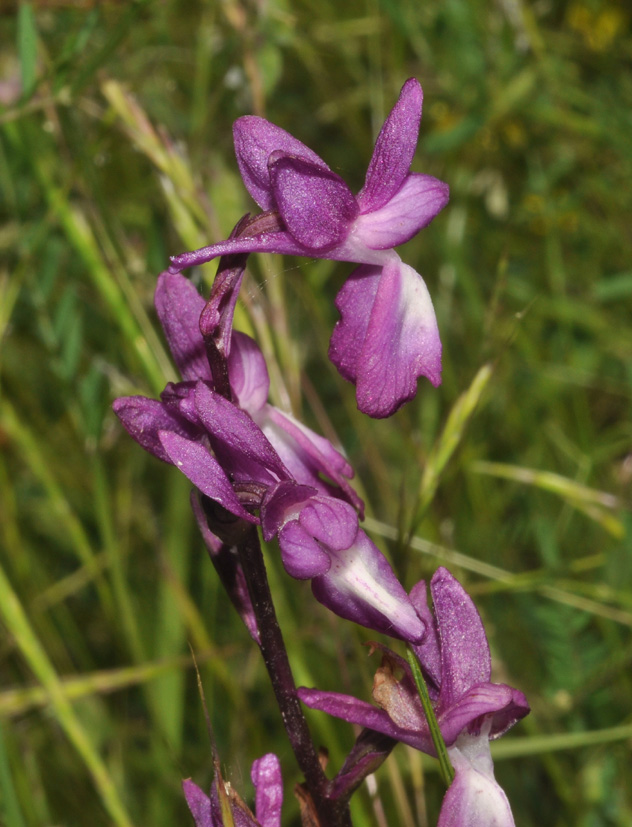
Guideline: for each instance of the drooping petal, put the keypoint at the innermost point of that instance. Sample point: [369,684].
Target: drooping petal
[401,338]
[249,380]
[281,503]
[414,205]
[394,149]
[179,306]
[201,467]
[239,443]
[316,205]
[474,799]
[266,776]
[143,418]
[255,140]
[354,302]
[364,714]
[465,658]
[361,586]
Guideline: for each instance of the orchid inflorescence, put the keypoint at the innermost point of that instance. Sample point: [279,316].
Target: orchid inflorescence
[256,468]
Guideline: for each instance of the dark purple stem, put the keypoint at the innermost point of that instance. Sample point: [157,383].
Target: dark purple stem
[331,813]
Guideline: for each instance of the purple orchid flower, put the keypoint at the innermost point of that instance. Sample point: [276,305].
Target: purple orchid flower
[245,456]
[387,336]
[266,777]
[471,711]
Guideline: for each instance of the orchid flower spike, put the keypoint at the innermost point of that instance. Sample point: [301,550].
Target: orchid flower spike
[266,777]
[470,710]
[387,336]
[252,463]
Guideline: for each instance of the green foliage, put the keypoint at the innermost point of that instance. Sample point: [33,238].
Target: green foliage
[115,151]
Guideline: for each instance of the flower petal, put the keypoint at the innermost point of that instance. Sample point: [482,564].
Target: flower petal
[179,306]
[474,799]
[354,302]
[199,804]
[255,140]
[414,205]
[428,652]
[201,467]
[365,714]
[308,456]
[143,418]
[237,440]
[249,380]
[361,586]
[465,658]
[302,556]
[316,205]
[401,338]
[266,776]
[500,704]
[394,149]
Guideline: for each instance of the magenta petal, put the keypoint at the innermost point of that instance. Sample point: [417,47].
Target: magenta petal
[394,149]
[364,714]
[361,586]
[401,338]
[199,804]
[236,431]
[478,702]
[316,205]
[249,380]
[332,522]
[414,205]
[302,556]
[201,467]
[465,657]
[143,418]
[354,302]
[266,776]
[255,140]
[179,306]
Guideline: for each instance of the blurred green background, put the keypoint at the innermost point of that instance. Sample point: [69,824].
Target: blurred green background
[115,152]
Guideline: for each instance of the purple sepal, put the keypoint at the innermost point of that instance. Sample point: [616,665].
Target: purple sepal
[474,799]
[249,380]
[238,442]
[179,306]
[199,804]
[200,466]
[366,715]
[255,140]
[394,149]
[226,562]
[144,418]
[387,337]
